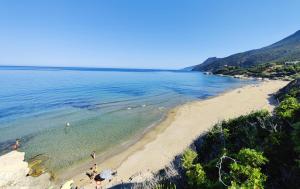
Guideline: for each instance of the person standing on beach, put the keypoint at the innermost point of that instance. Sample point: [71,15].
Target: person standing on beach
[95,169]
[93,154]
[91,174]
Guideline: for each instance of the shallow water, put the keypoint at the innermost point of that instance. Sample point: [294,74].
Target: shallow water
[105,107]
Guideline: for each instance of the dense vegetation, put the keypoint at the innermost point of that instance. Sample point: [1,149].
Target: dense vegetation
[292,89]
[285,50]
[258,150]
[277,70]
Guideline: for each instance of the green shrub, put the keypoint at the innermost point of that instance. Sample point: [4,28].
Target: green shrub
[287,108]
[196,176]
[188,158]
[246,171]
[165,185]
[251,157]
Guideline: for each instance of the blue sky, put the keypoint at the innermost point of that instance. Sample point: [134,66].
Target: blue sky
[138,33]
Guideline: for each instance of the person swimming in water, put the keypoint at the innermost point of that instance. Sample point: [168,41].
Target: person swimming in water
[16,145]
[67,128]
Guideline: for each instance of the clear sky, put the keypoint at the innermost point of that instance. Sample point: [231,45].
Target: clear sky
[138,33]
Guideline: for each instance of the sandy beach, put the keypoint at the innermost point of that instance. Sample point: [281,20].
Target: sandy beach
[157,148]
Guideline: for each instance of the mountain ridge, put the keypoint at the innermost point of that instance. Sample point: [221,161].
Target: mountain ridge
[287,49]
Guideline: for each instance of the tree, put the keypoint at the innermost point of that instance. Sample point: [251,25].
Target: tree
[287,108]
[246,172]
[188,158]
[195,174]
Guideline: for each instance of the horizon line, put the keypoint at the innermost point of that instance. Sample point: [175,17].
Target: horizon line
[79,68]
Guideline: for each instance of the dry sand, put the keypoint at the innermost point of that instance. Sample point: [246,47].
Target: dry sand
[183,124]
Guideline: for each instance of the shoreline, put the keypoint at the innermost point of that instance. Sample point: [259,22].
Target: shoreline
[115,156]
[158,145]
[151,143]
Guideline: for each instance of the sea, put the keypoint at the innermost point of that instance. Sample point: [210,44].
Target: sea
[66,113]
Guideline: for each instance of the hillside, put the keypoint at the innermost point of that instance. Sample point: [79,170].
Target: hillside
[286,71]
[287,49]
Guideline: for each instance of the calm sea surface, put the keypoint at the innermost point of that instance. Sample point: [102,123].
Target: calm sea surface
[105,107]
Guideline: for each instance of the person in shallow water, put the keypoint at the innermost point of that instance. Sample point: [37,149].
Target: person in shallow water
[16,145]
[93,154]
[67,128]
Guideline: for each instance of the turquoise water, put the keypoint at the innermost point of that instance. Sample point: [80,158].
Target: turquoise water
[105,107]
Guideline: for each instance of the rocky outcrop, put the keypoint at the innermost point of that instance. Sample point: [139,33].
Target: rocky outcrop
[14,170]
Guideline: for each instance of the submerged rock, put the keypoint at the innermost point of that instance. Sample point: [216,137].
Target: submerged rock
[37,165]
